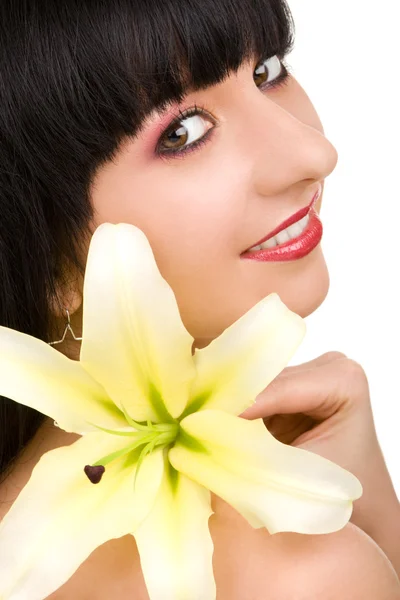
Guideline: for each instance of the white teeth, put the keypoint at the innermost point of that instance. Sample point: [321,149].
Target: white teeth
[304,221]
[269,244]
[282,236]
[291,232]
[295,230]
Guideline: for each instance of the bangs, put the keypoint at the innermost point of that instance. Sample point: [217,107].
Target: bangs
[93,70]
[136,56]
[183,45]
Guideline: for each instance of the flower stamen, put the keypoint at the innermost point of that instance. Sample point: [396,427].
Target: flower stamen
[151,436]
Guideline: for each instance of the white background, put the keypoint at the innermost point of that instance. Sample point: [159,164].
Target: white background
[347,59]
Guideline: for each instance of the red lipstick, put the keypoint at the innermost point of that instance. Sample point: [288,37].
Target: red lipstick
[297,247]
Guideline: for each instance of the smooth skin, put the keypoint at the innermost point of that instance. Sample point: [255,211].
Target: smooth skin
[263,163]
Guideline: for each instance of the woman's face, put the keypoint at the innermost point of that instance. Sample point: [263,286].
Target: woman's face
[263,161]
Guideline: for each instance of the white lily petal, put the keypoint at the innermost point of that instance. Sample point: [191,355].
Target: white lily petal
[271,484]
[238,365]
[134,341]
[175,544]
[60,517]
[36,375]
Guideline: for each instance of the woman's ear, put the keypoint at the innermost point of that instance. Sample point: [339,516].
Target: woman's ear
[68,296]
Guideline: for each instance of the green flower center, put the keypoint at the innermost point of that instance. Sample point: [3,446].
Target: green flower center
[150,436]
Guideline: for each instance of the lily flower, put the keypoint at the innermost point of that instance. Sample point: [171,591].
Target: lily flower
[159,431]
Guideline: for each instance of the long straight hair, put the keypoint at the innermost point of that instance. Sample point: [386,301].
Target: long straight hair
[76,79]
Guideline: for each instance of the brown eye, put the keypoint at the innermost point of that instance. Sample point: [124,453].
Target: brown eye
[267,71]
[186,132]
[177,138]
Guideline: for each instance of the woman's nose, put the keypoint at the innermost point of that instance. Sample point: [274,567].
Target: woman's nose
[286,149]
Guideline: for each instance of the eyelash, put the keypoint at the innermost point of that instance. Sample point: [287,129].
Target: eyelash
[281,81]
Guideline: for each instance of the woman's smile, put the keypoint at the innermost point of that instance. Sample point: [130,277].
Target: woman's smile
[296,237]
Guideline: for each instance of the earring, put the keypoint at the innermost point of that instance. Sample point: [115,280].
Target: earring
[67,328]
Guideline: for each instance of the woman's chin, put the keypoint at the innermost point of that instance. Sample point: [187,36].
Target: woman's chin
[301,287]
[312,290]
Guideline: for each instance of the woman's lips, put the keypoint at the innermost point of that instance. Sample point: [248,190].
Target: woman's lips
[293,249]
[297,247]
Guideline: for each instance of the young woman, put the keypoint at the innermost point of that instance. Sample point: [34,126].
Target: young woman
[180,117]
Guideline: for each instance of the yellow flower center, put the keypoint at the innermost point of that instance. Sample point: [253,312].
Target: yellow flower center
[149,436]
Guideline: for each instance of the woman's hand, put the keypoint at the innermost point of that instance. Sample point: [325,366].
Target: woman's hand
[324,406]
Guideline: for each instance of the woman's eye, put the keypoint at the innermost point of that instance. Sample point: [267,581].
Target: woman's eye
[268,71]
[190,129]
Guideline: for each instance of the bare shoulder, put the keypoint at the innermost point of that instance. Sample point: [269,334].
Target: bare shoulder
[345,565]
[251,564]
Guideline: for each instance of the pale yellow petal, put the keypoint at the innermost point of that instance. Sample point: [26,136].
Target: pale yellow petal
[280,487]
[175,544]
[134,341]
[36,375]
[60,517]
[246,357]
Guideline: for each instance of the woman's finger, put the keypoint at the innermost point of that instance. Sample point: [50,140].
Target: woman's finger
[318,392]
